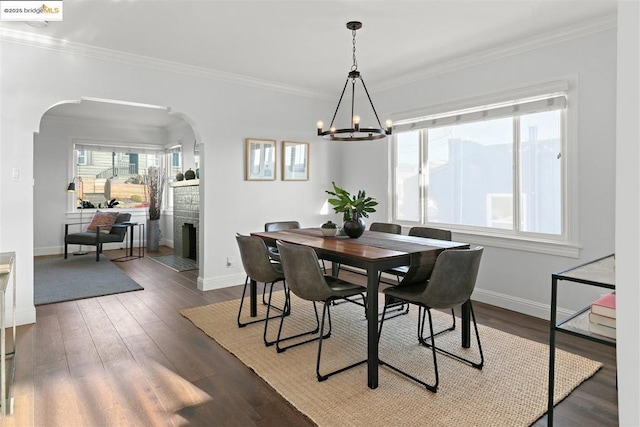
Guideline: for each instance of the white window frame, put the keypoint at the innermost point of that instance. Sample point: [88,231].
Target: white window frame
[565,244]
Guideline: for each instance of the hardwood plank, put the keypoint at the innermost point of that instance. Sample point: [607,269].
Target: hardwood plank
[138,309]
[123,322]
[48,335]
[182,350]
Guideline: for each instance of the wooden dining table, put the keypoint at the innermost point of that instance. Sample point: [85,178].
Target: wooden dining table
[374,252]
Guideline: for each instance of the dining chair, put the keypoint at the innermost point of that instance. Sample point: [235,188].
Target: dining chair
[279,226]
[260,268]
[385,227]
[427,233]
[306,280]
[430,233]
[451,284]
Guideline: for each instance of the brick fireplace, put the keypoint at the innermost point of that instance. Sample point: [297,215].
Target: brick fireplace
[186,219]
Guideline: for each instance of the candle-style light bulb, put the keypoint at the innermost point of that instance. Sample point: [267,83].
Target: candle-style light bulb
[356,122]
[388,123]
[319,125]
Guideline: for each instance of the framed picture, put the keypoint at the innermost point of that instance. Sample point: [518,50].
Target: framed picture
[260,159]
[295,161]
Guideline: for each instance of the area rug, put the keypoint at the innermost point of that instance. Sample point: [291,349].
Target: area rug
[176,263]
[77,277]
[511,390]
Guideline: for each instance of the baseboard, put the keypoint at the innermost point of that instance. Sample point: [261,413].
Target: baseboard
[59,250]
[519,305]
[209,284]
[23,317]
[51,250]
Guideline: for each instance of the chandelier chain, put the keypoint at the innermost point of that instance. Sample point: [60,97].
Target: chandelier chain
[354,67]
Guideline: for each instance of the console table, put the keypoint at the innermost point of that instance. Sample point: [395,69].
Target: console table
[8,272]
[599,273]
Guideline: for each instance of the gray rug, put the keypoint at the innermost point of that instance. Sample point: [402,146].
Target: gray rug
[176,263]
[78,277]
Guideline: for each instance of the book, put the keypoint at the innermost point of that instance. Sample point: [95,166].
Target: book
[5,268]
[602,320]
[605,306]
[603,330]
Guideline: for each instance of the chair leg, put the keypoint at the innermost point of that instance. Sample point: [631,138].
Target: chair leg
[431,387]
[325,310]
[244,291]
[477,365]
[285,310]
[98,252]
[66,250]
[421,318]
[279,338]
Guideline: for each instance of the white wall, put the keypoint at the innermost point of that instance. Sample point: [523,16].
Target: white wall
[628,213]
[222,114]
[510,278]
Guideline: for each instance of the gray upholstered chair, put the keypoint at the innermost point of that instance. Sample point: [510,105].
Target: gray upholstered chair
[427,233]
[451,284]
[279,226]
[385,227]
[96,238]
[430,233]
[306,280]
[259,267]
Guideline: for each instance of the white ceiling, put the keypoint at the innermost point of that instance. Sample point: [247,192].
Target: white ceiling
[305,44]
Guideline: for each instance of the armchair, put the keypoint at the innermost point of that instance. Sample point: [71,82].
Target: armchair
[96,238]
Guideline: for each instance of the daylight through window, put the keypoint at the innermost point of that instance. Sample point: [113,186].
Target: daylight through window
[498,168]
[118,173]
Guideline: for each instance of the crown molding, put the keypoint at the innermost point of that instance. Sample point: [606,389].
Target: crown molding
[428,71]
[45,42]
[503,51]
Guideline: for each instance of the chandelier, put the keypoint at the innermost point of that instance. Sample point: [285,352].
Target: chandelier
[355,132]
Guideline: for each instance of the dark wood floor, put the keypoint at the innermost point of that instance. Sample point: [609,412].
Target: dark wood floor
[131,359]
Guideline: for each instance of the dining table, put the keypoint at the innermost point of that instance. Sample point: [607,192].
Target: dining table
[373,252]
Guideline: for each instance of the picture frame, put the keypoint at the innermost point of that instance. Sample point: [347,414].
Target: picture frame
[260,159]
[295,161]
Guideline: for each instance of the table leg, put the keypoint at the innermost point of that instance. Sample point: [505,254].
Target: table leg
[253,294]
[372,327]
[466,324]
[335,267]
[131,229]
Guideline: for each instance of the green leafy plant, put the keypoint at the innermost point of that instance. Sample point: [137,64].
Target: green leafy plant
[343,202]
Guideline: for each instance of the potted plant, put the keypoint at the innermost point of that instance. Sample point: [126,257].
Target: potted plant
[353,209]
[155,189]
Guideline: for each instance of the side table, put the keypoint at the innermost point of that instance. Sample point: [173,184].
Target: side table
[599,273]
[128,243]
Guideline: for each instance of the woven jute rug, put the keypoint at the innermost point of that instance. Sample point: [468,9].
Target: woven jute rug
[511,389]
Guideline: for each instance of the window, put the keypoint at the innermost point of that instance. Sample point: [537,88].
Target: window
[81,159]
[497,169]
[118,173]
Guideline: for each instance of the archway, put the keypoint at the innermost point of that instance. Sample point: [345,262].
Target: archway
[100,124]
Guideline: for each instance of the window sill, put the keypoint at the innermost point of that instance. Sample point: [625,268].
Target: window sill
[520,244]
